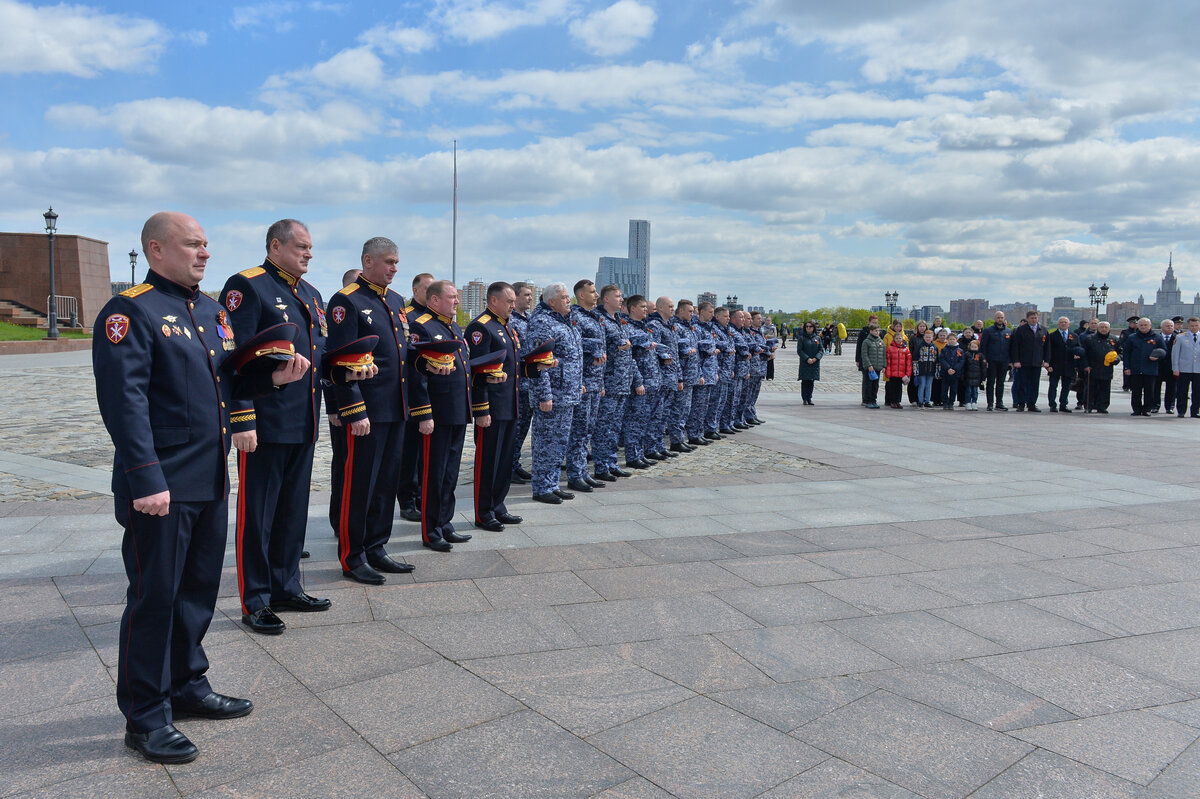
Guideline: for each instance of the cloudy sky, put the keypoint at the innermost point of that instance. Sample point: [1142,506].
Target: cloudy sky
[795,152]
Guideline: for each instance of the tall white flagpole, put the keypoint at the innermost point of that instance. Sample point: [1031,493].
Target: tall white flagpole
[454,228]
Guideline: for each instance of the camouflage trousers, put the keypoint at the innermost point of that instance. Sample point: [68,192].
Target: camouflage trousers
[551,432]
[608,432]
[583,426]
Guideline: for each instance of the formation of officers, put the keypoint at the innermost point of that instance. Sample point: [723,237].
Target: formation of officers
[181,378]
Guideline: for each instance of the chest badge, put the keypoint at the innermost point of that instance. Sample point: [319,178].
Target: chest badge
[367,313]
[166,330]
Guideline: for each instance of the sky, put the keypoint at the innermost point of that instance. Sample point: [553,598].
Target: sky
[797,153]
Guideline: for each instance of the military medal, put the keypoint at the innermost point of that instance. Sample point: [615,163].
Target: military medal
[322,322]
[225,332]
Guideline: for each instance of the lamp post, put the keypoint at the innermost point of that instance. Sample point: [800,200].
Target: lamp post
[1098,296]
[892,299]
[132,267]
[52,223]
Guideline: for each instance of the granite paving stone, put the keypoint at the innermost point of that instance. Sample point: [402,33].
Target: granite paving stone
[1171,657]
[786,706]
[520,755]
[535,590]
[699,749]
[803,651]
[837,778]
[500,632]
[1128,611]
[1047,775]
[637,788]
[683,550]
[863,562]
[1179,780]
[778,605]
[778,569]
[1018,625]
[998,583]
[666,579]
[885,594]
[1096,572]
[52,680]
[915,637]
[426,599]
[699,662]
[627,620]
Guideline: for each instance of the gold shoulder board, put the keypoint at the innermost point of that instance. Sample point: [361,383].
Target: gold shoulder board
[135,291]
[348,290]
[423,318]
[253,271]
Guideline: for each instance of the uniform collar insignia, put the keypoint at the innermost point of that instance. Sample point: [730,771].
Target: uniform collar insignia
[291,280]
[380,290]
[446,320]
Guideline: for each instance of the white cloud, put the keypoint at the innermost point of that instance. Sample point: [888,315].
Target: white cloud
[76,40]
[480,20]
[716,55]
[398,37]
[1065,251]
[355,68]
[275,13]
[616,29]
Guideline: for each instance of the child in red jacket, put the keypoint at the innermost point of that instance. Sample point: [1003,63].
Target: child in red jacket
[898,372]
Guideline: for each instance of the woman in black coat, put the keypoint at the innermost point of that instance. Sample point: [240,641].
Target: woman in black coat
[810,350]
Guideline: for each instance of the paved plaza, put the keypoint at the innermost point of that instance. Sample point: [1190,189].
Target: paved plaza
[839,603]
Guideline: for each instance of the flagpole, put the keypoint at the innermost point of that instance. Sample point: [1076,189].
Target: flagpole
[454,228]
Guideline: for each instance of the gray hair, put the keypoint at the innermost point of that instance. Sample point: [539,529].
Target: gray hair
[284,231]
[555,288]
[380,246]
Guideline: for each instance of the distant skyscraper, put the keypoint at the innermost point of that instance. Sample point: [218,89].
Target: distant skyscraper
[706,296]
[632,273]
[473,298]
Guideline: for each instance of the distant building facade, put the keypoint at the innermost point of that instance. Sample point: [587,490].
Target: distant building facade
[732,303]
[80,274]
[473,298]
[926,313]
[1117,312]
[706,296]
[631,273]
[1168,300]
[1065,306]
[967,311]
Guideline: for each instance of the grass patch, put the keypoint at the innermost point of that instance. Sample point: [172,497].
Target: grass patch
[13,332]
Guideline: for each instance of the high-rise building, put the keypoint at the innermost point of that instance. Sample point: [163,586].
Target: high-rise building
[473,297]
[927,313]
[706,296]
[1168,300]
[632,273]
[967,311]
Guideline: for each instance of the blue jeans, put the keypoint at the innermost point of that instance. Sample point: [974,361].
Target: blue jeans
[972,393]
[924,387]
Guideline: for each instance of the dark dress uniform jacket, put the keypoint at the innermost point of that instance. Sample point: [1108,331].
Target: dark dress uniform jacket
[1061,354]
[161,393]
[487,334]
[365,309]
[255,299]
[444,398]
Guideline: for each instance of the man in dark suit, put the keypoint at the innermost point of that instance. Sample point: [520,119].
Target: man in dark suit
[1061,345]
[1163,392]
[1026,352]
[440,402]
[160,387]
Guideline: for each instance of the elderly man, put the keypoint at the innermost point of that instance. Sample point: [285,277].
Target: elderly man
[557,390]
[1185,366]
[164,397]
[1141,354]
[1059,356]
[1103,351]
[1164,382]
[276,435]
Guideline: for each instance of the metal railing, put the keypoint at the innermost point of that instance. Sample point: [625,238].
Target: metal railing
[67,309]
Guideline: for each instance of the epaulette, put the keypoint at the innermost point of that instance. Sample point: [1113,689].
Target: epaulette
[348,290]
[483,320]
[138,290]
[253,271]
[408,308]
[423,318]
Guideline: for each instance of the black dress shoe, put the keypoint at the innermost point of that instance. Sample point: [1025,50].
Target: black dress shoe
[410,514]
[164,745]
[579,485]
[1064,409]
[670,454]
[713,436]
[698,442]
[1053,409]
[522,473]
[264,621]
[215,706]
[438,544]
[1033,409]
[593,482]
[301,602]
[517,479]
[549,499]
[658,456]
[680,448]
[606,477]
[491,525]
[617,472]
[457,538]
[1000,407]
[728,431]
[647,462]
[363,573]
[304,554]
[741,426]
[558,492]
[509,518]
[638,464]
[386,563]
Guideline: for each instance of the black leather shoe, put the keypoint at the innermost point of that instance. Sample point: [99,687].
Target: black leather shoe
[457,538]
[698,442]
[606,477]
[437,544]
[410,514]
[593,482]
[386,563]
[509,518]
[264,621]
[517,479]
[1033,409]
[549,499]
[647,462]
[728,431]
[164,745]
[523,472]
[579,485]
[680,448]
[638,464]
[658,456]
[713,436]
[301,602]
[741,426]
[1064,409]
[215,706]
[304,554]
[558,492]
[363,573]
[1000,407]
[491,525]
[617,472]
[670,454]
[1053,409]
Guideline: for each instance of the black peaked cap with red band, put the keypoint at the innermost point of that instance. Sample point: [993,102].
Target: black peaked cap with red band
[264,351]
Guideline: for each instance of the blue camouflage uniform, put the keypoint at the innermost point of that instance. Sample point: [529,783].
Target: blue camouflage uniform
[741,375]
[640,412]
[716,410]
[562,385]
[620,376]
[703,393]
[758,372]
[519,324]
[583,424]
[668,358]
[689,370]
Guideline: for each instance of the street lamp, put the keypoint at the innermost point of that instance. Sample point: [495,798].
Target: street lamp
[892,299]
[1098,296]
[51,223]
[132,267]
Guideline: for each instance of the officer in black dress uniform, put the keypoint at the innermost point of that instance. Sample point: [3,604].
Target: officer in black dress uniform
[165,402]
[276,435]
[337,442]
[372,413]
[495,391]
[440,402]
[408,493]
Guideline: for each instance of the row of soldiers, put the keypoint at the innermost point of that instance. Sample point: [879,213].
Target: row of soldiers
[662,378]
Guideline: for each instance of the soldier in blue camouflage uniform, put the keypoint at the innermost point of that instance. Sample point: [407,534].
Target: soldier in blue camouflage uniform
[689,370]
[741,370]
[620,377]
[716,412]
[758,371]
[703,393]
[659,323]
[639,414]
[583,425]
[519,322]
[557,390]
